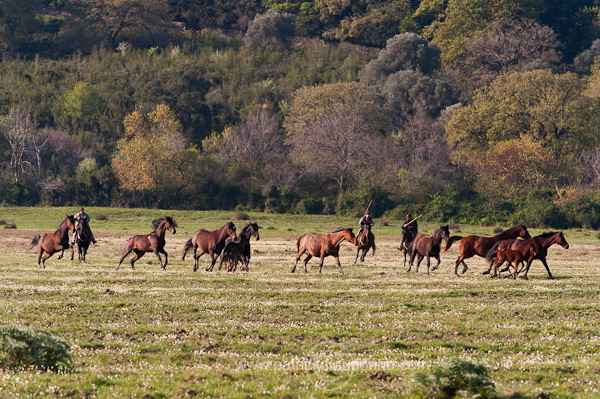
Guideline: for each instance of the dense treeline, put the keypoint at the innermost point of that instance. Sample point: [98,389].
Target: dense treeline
[475,111]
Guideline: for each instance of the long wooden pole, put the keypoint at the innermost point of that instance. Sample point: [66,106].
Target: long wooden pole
[406,224]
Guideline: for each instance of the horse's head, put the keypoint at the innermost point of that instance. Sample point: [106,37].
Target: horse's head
[230,230]
[254,227]
[560,240]
[523,233]
[69,222]
[170,224]
[444,231]
[349,236]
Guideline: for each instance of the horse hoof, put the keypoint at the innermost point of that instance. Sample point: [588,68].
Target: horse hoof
[486,272]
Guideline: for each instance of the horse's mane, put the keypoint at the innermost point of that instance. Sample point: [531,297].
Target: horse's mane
[338,229]
[157,222]
[249,225]
[546,234]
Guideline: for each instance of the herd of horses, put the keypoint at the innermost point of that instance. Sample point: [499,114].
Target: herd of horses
[514,246]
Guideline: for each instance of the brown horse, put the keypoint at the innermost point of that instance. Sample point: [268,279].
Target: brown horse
[514,256]
[52,243]
[211,242]
[476,245]
[238,250]
[153,242]
[539,244]
[408,236]
[427,246]
[364,242]
[323,245]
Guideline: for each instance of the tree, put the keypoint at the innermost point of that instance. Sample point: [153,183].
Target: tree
[406,51]
[17,128]
[224,15]
[18,23]
[140,163]
[461,20]
[110,22]
[334,130]
[538,107]
[270,29]
[410,89]
[507,46]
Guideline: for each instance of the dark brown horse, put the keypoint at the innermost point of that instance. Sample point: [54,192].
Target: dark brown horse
[408,236]
[429,247]
[210,242]
[477,245]
[514,256]
[238,250]
[153,242]
[83,238]
[323,245]
[51,243]
[539,244]
[364,242]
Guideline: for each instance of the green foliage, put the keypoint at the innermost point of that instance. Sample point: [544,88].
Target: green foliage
[29,348]
[270,29]
[456,378]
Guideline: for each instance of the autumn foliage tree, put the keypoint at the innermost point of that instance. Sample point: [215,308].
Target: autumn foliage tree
[150,142]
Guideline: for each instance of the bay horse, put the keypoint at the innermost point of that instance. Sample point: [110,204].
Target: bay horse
[539,244]
[470,246]
[408,236]
[323,245]
[51,243]
[83,238]
[153,242]
[429,247]
[238,250]
[210,242]
[364,242]
[514,256]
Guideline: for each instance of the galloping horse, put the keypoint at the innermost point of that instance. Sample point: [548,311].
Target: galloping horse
[427,246]
[514,256]
[364,242]
[323,245]
[406,242]
[83,238]
[211,242]
[539,244]
[153,242]
[52,243]
[239,249]
[476,245]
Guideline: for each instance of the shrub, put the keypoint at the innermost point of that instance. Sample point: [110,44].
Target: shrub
[456,378]
[29,348]
[241,216]
[100,216]
[10,226]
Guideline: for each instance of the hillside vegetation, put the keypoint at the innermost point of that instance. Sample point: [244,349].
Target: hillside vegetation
[481,112]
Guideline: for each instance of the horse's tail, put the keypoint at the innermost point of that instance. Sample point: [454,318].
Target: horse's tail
[451,241]
[186,247]
[35,240]
[492,253]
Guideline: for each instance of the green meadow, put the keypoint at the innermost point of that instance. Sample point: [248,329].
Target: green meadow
[148,333]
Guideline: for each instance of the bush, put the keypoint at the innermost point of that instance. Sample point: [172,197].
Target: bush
[29,348]
[456,378]
[241,216]
[100,216]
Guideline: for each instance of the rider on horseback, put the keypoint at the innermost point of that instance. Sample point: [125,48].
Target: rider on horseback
[82,227]
[366,222]
[410,230]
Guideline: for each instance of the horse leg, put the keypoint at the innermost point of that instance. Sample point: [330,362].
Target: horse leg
[61,254]
[545,265]
[460,259]
[308,257]
[138,254]
[213,260]
[411,261]
[428,263]
[73,251]
[297,259]
[125,253]
[357,252]
[421,257]
[162,251]
[437,265]
[337,259]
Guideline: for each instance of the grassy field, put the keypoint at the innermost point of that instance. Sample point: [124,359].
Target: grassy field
[269,333]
